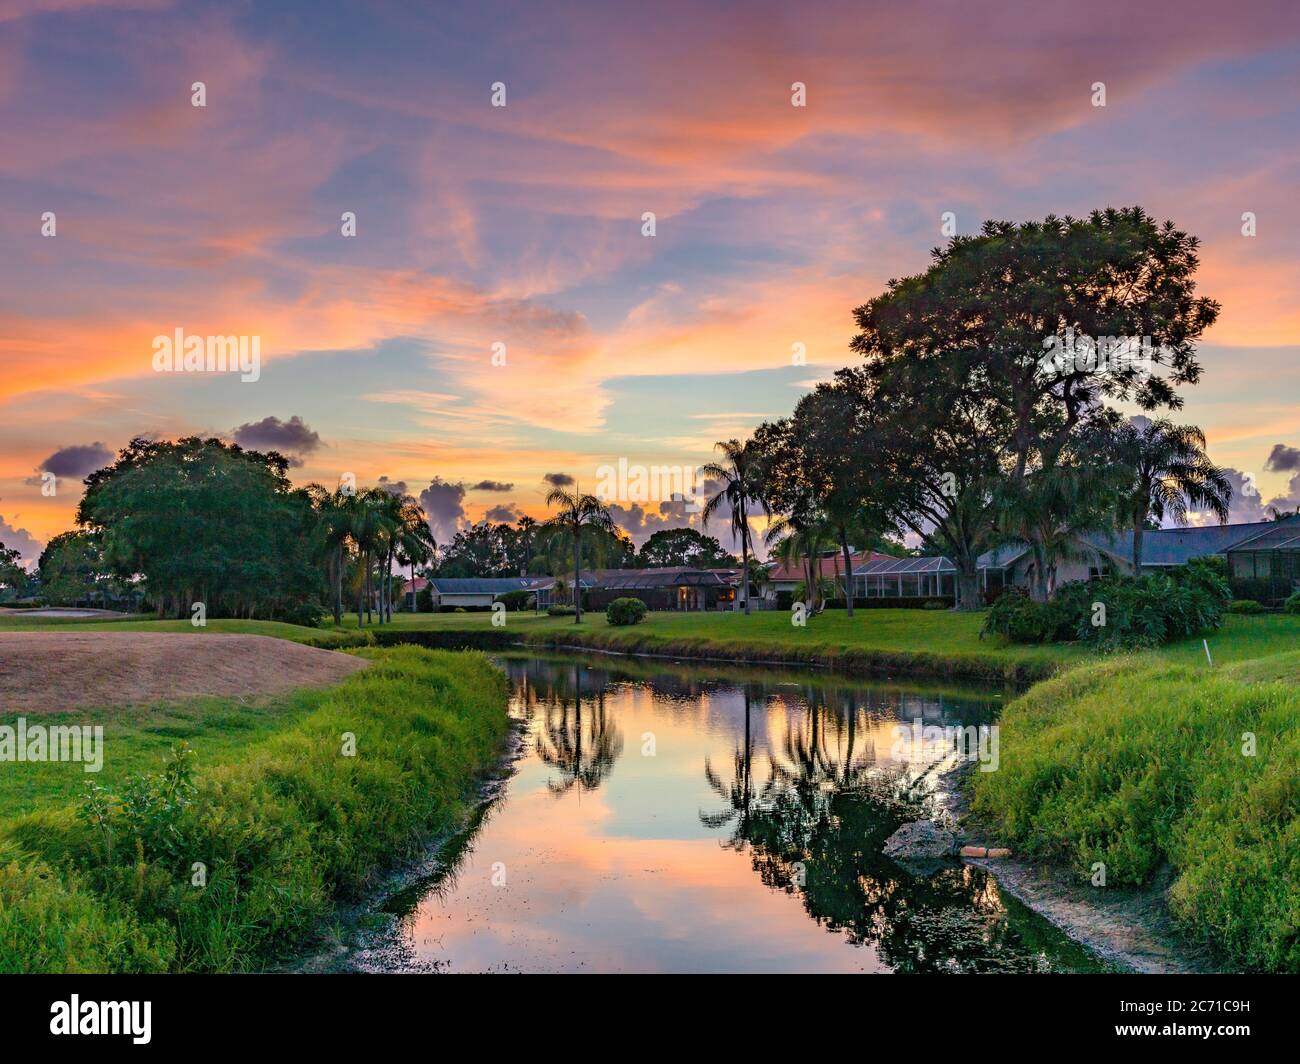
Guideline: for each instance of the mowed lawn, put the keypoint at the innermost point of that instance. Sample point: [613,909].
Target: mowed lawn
[927,640]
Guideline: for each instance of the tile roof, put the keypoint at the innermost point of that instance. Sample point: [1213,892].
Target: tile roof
[485,585]
[831,565]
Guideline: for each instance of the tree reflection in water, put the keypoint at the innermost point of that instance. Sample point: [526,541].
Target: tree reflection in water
[815,827]
[581,742]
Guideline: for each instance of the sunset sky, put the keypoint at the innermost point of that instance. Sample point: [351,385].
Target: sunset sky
[523,224]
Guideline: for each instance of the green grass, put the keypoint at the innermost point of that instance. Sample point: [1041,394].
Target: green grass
[1138,762]
[923,642]
[286,826]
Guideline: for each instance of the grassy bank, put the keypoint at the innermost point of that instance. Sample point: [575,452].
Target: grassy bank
[931,643]
[1137,763]
[924,643]
[285,825]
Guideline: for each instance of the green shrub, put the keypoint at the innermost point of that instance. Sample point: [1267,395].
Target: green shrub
[424,599]
[516,600]
[1118,613]
[625,611]
[1018,617]
[934,604]
[1292,605]
[1245,606]
[560,611]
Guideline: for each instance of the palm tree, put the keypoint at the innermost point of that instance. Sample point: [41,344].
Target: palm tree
[415,542]
[801,539]
[1049,510]
[742,484]
[366,529]
[333,510]
[1168,472]
[580,516]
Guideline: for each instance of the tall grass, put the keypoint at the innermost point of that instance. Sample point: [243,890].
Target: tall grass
[284,832]
[1135,763]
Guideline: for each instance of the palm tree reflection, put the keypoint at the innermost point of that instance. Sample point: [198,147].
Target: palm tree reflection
[815,829]
[581,742]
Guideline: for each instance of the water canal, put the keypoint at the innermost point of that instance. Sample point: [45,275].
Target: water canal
[693,817]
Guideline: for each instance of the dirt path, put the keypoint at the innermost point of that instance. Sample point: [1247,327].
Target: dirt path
[46,672]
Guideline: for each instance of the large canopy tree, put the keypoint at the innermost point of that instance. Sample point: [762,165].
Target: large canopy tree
[206,521]
[996,346]
[998,304]
[683,546]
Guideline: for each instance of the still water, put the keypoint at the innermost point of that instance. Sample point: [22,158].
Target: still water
[666,817]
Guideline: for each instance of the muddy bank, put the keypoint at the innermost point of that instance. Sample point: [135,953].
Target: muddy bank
[1127,927]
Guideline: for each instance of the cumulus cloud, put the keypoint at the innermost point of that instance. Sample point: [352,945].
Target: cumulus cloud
[1283,459]
[444,502]
[393,487]
[492,485]
[21,540]
[1247,503]
[293,438]
[641,522]
[559,480]
[508,512]
[79,460]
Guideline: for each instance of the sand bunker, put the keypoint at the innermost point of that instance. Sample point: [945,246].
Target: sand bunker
[49,672]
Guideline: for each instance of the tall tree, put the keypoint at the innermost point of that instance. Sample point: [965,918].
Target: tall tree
[741,476]
[683,546]
[579,518]
[206,521]
[1029,309]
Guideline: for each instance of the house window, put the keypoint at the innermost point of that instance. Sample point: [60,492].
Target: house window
[1100,571]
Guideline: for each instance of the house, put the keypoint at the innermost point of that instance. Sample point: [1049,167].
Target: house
[677,587]
[450,593]
[782,580]
[411,591]
[1262,557]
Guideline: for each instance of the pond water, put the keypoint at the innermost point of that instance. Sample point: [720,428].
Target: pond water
[675,817]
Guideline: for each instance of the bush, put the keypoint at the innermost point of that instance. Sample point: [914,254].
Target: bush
[1018,617]
[515,600]
[935,604]
[424,599]
[625,611]
[560,611]
[1292,605]
[1245,606]
[1118,613]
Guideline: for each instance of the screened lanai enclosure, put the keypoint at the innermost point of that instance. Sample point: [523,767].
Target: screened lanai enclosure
[1266,567]
[906,578]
